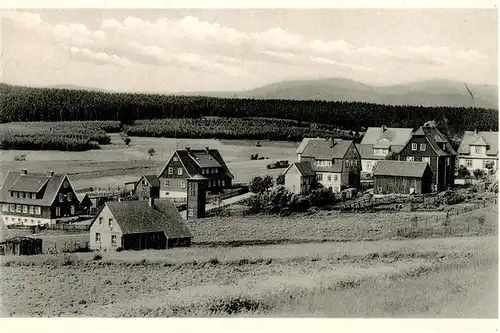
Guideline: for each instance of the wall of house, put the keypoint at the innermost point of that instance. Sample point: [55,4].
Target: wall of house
[106,231]
[417,155]
[293,180]
[150,240]
[368,165]
[396,185]
[196,200]
[352,155]
[145,191]
[173,187]
[446,176]
[65,203]
[330,180]
[10,219]
[477,162]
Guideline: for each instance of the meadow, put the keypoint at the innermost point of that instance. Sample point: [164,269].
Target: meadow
[116,163]
[432,278]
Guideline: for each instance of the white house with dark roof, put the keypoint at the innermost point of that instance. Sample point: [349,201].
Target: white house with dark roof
[139,225]
[37,198]
[378,142]
[337,163]
[299,177]
[478,149]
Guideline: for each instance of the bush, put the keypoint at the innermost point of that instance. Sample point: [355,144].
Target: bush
[280,180]
[321,197]
[462,171]
[479,173]
[452,198]
[97,256]
[260,185]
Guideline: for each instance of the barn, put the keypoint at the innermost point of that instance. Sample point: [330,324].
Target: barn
[402,177]
[139,225]
[19,245]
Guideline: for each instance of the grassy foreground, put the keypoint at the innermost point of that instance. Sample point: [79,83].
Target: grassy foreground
[429,277]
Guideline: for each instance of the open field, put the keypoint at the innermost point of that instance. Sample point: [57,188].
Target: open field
[432,277]
[116,163]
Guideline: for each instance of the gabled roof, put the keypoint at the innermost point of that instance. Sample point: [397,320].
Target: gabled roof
[136,216]
[195,159]
[304,169]
[31,183]
[304,144]
[52,185]
[399,168]
[81,196]
[322,149]
[471,137]
[152,180]
[436,140]
[394,135]
[366,151]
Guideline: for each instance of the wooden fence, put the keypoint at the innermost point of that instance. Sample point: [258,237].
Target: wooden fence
[70,227]
[67,247]
[372,202]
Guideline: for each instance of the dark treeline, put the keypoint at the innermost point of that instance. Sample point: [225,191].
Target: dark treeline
[43,104]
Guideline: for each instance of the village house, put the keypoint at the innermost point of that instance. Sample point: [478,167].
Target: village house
[478,150]
[299,177]
[37,199]
[402,177]
[138,225]
[147,186]
[86,204]
[187,163]
[428,144]
[378,142]
[337,163]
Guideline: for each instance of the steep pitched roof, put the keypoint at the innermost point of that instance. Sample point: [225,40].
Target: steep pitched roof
[399,168]
[395,136]
[137,216]
[366,151]
[304,168]
[436,139]
[322,148]
[304,144]
[195,159]
[153,180]
[52,185]
[470,137]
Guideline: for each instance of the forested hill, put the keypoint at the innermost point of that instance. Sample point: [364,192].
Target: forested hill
[49,104]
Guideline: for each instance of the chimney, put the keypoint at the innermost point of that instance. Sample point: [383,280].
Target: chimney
[50,173]
[120,199]
[207,149]
[23,172]
[332,142]
[384,128]
[188,149]
[151,202]
[475,131]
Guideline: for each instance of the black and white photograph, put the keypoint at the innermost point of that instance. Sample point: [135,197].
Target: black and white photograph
[249,163]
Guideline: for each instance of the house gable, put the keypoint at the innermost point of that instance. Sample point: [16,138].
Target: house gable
[175,165]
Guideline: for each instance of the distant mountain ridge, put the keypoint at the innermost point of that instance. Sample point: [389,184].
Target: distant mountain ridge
[425,93]
[437,93]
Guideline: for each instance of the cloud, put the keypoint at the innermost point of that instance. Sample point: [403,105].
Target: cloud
[201,46]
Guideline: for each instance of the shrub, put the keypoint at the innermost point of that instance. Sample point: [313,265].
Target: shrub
[280,180]
[97,256]
[452,197]
[321,197]
[260,185]
[119,249]
[462,171]
[479,173]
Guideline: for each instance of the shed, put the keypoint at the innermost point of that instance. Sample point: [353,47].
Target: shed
[299,177]
[139,225]
[19,245]
[402,177]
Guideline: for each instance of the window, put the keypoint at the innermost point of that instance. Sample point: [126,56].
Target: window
[72,210]
[183,184]
[113,240]
[192,189]
[38,210]
[18,208]
[329,178]
[477,150]
[426,159]
[16,195]
[209,183]
[32,210]
[58,211]
[320,176]
[12,208]
[70,196]
[179,171]
[485,163]
[335,177]
[218,183]
[347,163]
[33,195]
[100,221]
[25,209]
[414,147]
[144,182]
[5,207]
[167,183]
[175,159]
[61,197]
[216,170]
[468,163]
[190,212]
[410,159]
[202,171]
[447,161]
[223,183]
[170,170]
[97,237]
[110,223]
[22,195]
[423,147]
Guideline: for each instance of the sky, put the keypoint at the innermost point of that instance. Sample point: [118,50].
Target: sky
[176,50]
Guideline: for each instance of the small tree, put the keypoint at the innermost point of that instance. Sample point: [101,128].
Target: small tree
[490,166]
[462,171]
[151,152]
[479,173]
[256,185]
[280,180]
[127,140]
